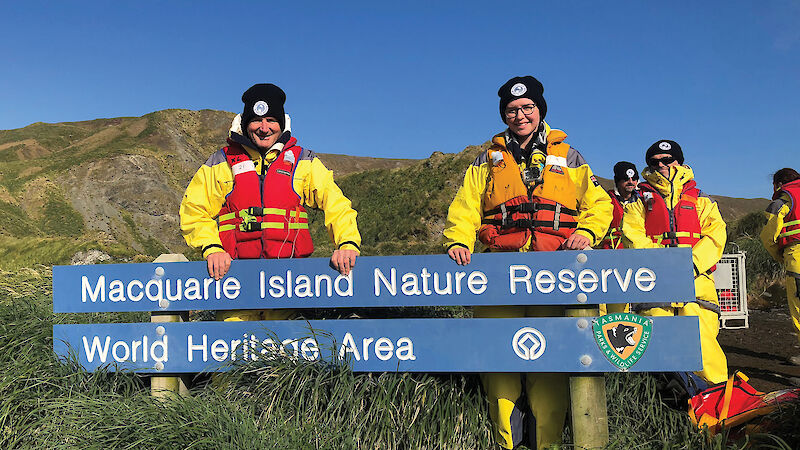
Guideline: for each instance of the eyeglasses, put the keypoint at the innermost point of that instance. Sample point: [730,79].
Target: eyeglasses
[527,110]
[655,162]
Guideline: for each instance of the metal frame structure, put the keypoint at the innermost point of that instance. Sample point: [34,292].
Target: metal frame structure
[731,284]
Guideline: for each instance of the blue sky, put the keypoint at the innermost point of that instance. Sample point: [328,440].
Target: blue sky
[405,79]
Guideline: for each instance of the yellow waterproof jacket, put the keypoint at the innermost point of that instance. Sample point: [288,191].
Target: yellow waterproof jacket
[706,252]
[466,211]
[313,182]
[776,213]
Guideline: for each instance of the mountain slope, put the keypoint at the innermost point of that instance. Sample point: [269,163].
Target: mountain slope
[110,184]
[115,185]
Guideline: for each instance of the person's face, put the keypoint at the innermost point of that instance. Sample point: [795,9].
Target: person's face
[518,121]
[626,187]
[661,163]
[264,132]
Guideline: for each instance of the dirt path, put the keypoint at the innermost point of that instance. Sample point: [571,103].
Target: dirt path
[762,351]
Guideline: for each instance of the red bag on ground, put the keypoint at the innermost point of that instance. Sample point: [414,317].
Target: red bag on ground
[734,403]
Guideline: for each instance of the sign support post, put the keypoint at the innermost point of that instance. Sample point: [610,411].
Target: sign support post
[588,400]
[162,387]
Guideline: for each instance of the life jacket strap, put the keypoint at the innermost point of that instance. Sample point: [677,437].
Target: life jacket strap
[613,236]
[530,207]
[670,238]
[529,223]
[250,221]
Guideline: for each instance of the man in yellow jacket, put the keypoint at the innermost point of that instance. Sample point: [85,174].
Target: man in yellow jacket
[672,212]
[781,237]
[530,191]
[248,200]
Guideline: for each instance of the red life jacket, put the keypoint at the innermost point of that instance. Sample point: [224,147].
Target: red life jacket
[264,219]
[790,233]
[679,227]
[613,238]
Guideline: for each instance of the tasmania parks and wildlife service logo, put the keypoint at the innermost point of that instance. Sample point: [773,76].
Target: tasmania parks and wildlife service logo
[622,337]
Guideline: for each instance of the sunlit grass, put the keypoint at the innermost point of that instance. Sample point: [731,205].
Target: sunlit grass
[280,403]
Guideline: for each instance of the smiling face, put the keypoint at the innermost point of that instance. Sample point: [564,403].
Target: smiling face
[264,132]
[521,124]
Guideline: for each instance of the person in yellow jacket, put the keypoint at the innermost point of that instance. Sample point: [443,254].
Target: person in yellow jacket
[672,212]
[530,191]
[781,237]
[248,200]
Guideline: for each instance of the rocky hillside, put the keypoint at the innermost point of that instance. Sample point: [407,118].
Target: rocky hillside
[114,186]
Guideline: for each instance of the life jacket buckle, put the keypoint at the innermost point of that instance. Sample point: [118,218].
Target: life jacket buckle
[557,217]
[249,219]
[504,213]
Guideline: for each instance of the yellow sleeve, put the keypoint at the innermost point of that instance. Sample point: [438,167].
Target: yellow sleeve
[595,209]
[320,191]
[776,212]
[633,231]
[465,212]
[201,204]
[708,250]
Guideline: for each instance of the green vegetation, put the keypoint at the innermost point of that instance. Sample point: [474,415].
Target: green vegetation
[279,404]
[14,221]
[762,270]
[52,136]
[10,154]
[30,251]
[60,218]
[403,211]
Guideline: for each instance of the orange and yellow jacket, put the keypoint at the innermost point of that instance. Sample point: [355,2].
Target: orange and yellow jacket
[313,182]
[706,252]
[466,211]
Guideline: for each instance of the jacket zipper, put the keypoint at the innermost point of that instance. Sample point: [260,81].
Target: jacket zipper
[261,180]
[671,209]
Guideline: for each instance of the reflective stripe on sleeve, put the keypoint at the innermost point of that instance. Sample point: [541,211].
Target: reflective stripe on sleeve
[789,233]
[228,216]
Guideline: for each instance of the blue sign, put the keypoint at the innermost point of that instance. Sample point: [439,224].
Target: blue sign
[565,344]
[534,278]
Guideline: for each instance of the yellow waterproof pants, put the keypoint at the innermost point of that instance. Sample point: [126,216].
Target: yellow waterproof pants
[548,393]
[792,290]
[715,365]
[791,261]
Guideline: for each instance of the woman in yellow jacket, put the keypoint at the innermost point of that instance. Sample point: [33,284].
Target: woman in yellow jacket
[672,212]
[781,237]
[248,200]
[530,191]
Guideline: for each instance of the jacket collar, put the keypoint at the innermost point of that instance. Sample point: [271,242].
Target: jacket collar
[634,196]
[678,177]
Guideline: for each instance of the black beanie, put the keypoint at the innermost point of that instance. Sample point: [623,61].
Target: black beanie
[624,170]
[263,100]
[664,146]
[522,87]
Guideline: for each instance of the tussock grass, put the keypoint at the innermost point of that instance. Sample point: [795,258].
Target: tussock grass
[279,403]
